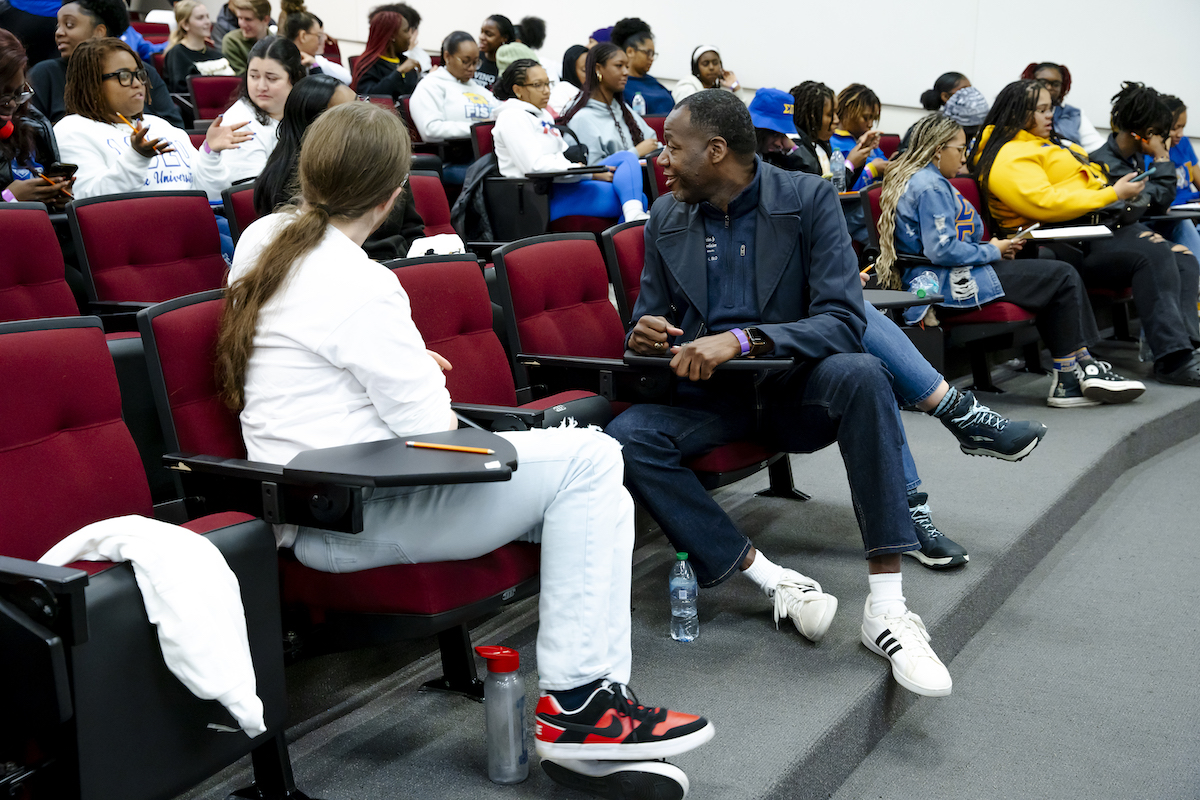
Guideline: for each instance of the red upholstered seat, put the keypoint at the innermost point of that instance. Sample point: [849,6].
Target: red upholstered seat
[481,138]
[889,143]
[239,208]
[121,257]
[657,124]
[625,254]
[998,311]
[430,198]
[31,266]
[212,94]
[332,51]
[660,177]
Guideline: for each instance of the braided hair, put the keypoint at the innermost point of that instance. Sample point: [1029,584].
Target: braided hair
[598,56]
[513,76]
[856,99]
[929,136]
[1137,107]
[84,94]
[808,111]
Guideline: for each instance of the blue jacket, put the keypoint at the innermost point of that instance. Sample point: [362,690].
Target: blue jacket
[934,220]
[808,293]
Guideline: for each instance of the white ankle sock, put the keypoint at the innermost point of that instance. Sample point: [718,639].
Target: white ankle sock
[887,594]
[764,573]
[633,210]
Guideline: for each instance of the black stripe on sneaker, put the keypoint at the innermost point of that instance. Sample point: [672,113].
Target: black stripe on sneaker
[898,646]
[879,639]
[888,642]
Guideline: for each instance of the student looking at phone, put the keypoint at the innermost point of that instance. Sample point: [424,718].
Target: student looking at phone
[858,111]
[27,144]
[921,213]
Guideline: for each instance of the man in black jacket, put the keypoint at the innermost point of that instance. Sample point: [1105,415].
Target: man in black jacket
[78,22]
[745,260]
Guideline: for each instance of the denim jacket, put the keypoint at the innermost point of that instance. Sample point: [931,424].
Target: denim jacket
[934,220]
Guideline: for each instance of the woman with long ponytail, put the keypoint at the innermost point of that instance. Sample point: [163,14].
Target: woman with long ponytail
[317,348]
[600,117]
[923,214]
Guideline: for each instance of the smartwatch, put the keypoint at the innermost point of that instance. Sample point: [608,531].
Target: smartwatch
[760,343]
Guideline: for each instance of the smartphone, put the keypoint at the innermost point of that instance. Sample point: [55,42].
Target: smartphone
[1025,233]
[1141,177]
[59,171]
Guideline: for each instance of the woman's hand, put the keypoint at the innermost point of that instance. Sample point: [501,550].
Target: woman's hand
[441,361]
[1126,188]
[36,190]
[307,60]
[147,147]
[605,176]
[407,65]
[1008,247]
[227,137]
[881,166]
[729,80]
[862,150]
[646,147]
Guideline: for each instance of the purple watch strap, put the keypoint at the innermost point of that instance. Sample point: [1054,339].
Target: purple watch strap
[741,337]
[8,196]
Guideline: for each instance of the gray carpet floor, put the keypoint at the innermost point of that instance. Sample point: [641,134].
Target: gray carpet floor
[793,719]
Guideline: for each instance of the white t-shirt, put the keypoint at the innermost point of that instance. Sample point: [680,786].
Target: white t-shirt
[337,359]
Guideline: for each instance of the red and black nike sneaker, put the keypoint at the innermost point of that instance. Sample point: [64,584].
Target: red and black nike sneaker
[613,726]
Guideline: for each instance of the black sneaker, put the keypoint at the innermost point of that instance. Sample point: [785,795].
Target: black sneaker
[1187,375]
[1099,382]
[982,432]
[1065,391]
[938,551]
[620,780]
[613,726]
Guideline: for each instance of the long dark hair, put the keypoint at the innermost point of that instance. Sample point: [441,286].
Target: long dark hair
[382,31]
[601,54]
[308,100]
[568,66]
[1137,108]
[13,62]
[931,99]
[275,48]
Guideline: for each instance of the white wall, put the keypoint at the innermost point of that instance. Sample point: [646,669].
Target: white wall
[902,49]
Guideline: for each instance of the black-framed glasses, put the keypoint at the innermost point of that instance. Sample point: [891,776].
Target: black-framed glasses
[537,85]
[650,54]
[125,76]
[16,99]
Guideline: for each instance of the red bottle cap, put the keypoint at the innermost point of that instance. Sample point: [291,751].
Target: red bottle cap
[500,659]
[7,129]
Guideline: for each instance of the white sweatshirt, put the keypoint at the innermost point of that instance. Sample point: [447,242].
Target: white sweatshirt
[248,160]
[191,596]
[337,359]
[527,141]
[444,107]
[329,68]
[109,165]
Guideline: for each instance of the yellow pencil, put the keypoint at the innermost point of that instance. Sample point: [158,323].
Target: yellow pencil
[452,447]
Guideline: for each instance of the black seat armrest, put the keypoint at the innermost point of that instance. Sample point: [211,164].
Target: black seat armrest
[501,418]
[51,596]
[572,362]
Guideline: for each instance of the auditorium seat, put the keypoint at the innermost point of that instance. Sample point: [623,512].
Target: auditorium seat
[211,95]
[323,611]
[624,255]
[87,705]
[239,208]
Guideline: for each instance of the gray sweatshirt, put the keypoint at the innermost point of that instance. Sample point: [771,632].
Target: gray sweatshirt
[595,127]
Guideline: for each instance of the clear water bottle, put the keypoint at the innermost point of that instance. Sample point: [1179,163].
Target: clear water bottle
[685,622]
[639,104]
[925,284]
[504,709]
[837,170]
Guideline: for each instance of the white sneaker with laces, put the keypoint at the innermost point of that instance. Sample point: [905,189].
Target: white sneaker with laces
[1099,382]
[904,641]
[800,598]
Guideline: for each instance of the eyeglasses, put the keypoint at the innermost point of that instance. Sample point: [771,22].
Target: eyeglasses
[650,54]
[14,100]
[125,76]
[1051,84]
[473,64]
[538,85]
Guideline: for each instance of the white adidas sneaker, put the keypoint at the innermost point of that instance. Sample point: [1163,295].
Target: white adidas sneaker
[904,641]
[799,598]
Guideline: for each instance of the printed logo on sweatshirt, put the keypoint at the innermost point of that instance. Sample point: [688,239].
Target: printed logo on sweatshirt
[549,129]
[477,106]
[710,247]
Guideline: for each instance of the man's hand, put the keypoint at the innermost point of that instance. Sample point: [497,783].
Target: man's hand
[649,337]
[697,360]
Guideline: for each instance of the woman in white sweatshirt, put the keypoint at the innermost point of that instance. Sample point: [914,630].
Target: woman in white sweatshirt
[527,141]
[273,67]
[105,82]
[317,348]
[447,102]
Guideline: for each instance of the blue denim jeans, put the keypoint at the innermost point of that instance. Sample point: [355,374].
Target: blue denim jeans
[845,398]
[913,378]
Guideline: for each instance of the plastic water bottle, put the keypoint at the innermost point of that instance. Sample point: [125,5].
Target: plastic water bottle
[685,622]
[837,169]
[639,104]
[924,284]
[504,709]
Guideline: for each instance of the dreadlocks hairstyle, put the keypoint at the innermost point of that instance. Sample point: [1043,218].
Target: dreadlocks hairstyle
[809,109]
[351,160]
[931,99]
[381,33]
[513,76]
[533,32]
[1033,69]
[1010,114]
[84,94]
[13,62]
[855,99]
[1137,108]
[281,50]
[929,136]
[598,56]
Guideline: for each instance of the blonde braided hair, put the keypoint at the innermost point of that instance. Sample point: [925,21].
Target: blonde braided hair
[929,136]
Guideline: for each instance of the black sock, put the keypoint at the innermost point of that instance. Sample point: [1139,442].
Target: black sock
[1173,361]
[948,403]
[571,699]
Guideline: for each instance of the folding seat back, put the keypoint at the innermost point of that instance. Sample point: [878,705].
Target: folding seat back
[889,143]
[432,205]
[212,94]
[481,139]
[147,246]
[660,177]
[31,266]
[384,100]
[332,51]
[657,124]
[239,208]
[625,254]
